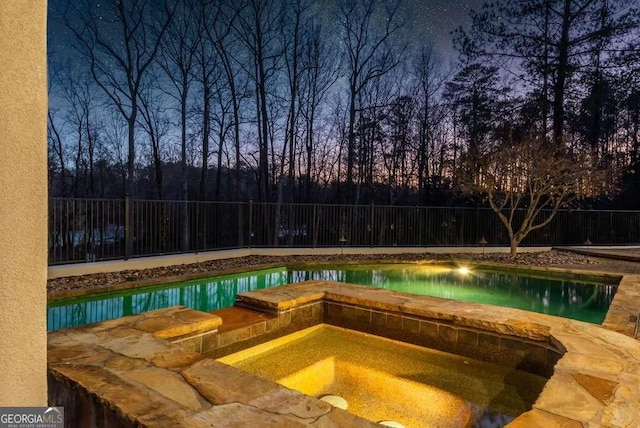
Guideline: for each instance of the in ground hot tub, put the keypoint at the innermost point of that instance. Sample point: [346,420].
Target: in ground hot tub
[387,380]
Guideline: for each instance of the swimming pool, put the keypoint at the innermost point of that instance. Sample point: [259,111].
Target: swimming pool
[567,298]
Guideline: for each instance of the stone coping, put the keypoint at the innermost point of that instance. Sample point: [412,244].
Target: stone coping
[624,308]
[539,271]
[150,282]
[126,368]
[629,253]
[165,323]
[121,373]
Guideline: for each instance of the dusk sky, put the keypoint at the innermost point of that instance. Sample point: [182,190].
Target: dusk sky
[435,19]
[429,21]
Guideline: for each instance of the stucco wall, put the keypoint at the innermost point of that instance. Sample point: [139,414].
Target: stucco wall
[23,203]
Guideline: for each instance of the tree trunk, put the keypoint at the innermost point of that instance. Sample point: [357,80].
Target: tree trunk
[206,131]
[514,248]
[562,72]
[219,156]
[351,142]
[132,153]
[292,107]
[183,178]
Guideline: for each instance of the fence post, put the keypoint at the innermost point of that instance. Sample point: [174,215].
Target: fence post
[611,228]
[198,230]
[477,237]
[371,225]
[240,225]
[314,232]
[250,222]
[127,227]
[420,225]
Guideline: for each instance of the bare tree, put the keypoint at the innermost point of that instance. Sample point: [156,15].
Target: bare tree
[177,58]
[224,42]
[56,152]
[120,40]
[210,75]
[367,37]
[80,132]
[156,124]
[373,157]
[399,120]
[320,71]
[525,183]
[256,27]
[292,36]
[115,136]
[429,80]
[56,130]
[222,118]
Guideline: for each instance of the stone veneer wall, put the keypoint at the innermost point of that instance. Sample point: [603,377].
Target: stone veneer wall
[82,408]
[531,355]
[283,322]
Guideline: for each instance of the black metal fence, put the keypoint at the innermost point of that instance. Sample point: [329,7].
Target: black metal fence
[99,229]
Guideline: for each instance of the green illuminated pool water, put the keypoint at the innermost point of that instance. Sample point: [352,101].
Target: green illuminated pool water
[570,299]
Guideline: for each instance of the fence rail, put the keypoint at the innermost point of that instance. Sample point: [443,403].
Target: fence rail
[82,230]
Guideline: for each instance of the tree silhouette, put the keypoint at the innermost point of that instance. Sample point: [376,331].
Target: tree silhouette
[369,53]
[547,42]
[120,40]
[525,183]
